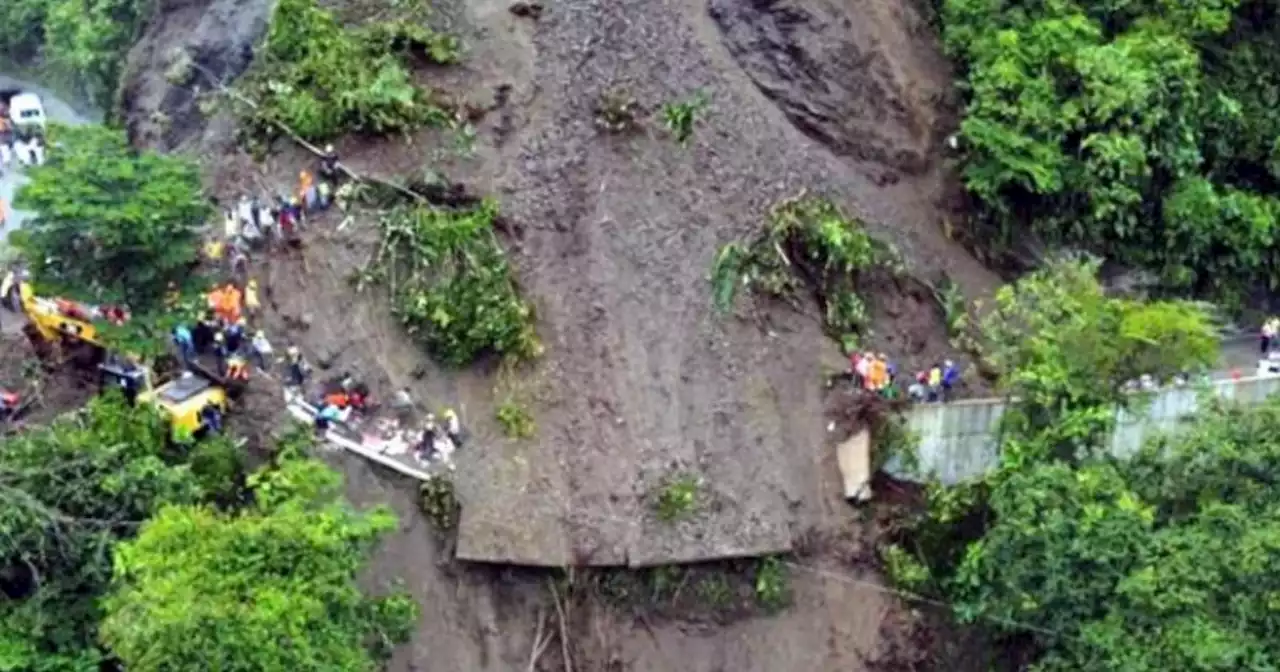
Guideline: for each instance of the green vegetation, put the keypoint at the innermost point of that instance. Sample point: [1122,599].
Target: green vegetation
[773,583]
[324,80]
[451,284]
[1158,562]
[80,44]
[110,223]
[806,242]
[1145,130]
[270,587]
[437,500]
[678,498]
[516,421]
[69,493]
[681,116]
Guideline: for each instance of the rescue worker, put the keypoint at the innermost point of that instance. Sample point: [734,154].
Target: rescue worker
[346,381]
[324,195]
[1269,332]
[205,329]
[9,401]
[427,446]
[286,219]
[326,417]
[329,164]
[185,343]
[235,335]
[211,416]
[260,351]
[935,382]
[402,406]
[213,250]
[9,285]
[252,306]
[306,185]
[297,366]
[950,378]
[917,389]
[220,352]
[879,374]
[453,427]
[338,398]
[237,369]
[230,225]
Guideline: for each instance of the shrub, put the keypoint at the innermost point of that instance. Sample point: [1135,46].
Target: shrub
[452,286]
[805,237]
[324,80]
[678,498]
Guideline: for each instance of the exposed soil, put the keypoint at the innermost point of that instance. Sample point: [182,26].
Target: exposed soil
[616,234]
[52,392]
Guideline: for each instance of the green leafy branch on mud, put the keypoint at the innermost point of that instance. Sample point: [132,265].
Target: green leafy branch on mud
[324,80]
[451,284]
[806,242]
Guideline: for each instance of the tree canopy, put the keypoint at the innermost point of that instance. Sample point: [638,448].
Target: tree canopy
[111,222]
[1162,561]
[271,587]
[68,493]
[1145,129]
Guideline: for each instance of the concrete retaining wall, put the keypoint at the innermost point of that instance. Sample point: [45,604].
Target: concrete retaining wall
[958,440]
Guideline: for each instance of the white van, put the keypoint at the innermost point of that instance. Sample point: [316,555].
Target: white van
[27,113]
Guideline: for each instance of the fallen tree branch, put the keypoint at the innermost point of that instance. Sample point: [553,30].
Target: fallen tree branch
[225,90]
[540,640]
[564,631]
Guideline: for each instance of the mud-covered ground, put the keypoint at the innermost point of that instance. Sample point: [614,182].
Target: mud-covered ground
[616,234]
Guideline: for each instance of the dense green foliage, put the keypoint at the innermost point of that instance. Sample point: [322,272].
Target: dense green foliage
[110,223]
[1158,562]
[1146,130]
[80,43]
[323,80]
[68,494]
[1065,350]
[806,243]
[270,587]
[452,285]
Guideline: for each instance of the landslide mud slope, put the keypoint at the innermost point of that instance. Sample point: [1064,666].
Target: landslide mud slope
[615,238]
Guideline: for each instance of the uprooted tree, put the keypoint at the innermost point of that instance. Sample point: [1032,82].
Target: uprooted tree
[451,283]
[806,244]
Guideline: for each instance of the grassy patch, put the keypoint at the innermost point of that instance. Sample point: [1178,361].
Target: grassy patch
[515,419]
[772,583]
[806,242]
[451,284]
[678,498]
[324,80]
[680,116]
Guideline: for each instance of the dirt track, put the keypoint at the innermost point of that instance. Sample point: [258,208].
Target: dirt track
[617,234]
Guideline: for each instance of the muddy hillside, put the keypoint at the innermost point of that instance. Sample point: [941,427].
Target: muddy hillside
[613,236]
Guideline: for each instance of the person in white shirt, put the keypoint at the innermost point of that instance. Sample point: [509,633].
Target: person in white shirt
[23,151]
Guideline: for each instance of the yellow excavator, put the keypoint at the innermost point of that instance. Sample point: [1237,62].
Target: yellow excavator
[195,402]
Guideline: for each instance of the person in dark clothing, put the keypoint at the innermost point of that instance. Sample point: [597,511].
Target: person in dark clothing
[329,164]
[220,352]
[235,335]
[211,417]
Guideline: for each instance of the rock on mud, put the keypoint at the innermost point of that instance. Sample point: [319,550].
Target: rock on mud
[186,43]
[824,64]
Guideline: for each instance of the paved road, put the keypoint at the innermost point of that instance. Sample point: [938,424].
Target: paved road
[11,180]
[57,110]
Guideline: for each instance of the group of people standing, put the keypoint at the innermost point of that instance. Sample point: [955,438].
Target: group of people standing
[875,372]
